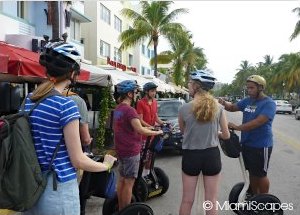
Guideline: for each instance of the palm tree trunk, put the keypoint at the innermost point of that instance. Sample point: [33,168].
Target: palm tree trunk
[55,19]
[155,41]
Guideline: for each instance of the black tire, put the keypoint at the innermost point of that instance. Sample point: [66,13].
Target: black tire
[163,179]
[141,190]
[137,208]
[268,201]
[111,206]
[234,194]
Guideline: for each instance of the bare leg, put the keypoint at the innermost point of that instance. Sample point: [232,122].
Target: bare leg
[126,192]
[188,194]
[259,185]
[120,189]
[211,187]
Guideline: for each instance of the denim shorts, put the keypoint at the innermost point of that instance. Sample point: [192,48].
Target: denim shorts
[129,166]
[63,201]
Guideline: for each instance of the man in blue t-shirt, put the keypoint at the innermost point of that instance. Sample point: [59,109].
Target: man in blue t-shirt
[256,131]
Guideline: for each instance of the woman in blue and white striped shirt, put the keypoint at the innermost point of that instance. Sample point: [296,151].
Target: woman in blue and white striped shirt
[56,121]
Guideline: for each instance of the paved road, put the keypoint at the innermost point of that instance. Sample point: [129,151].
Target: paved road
[284,172]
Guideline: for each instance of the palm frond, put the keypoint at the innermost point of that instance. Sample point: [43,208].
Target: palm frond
[131,14]
[162,59]
[172,15]
[296,31]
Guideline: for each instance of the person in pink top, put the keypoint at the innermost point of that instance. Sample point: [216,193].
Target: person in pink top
[128,132]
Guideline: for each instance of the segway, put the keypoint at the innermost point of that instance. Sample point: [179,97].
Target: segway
[157,182]
[240,196]
[99,184]
[153,185]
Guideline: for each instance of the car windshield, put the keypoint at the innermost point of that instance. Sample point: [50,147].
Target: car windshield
[168,109]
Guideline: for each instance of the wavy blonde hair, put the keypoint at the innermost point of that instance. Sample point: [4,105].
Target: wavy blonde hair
[204,107]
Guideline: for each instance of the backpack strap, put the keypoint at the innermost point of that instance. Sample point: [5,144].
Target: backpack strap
[51,169]
[53,92]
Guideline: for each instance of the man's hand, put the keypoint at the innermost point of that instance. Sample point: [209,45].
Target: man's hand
[233,126]
[221,101]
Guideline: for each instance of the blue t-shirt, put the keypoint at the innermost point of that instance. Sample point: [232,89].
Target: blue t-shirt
[261,136]
[47,122]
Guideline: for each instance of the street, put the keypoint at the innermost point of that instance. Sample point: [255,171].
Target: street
[283,172]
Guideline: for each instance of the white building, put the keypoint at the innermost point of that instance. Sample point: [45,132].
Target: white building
[23,23]
[101,38]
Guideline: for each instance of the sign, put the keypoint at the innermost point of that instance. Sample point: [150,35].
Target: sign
[119,65]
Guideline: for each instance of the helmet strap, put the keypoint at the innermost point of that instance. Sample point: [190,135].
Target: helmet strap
[72,76]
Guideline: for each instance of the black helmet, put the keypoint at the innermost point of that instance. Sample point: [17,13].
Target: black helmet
[60,58]
[149,86]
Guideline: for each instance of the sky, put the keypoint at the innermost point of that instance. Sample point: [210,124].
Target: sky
[233,31]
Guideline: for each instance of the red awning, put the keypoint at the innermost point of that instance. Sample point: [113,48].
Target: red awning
[23,62]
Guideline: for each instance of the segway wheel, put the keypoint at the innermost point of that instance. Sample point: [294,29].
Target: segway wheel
[111,206]
[234,194]
[163,179]
[136,208]
[141,190]
[268,202]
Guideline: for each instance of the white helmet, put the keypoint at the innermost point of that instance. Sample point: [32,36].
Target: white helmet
[206,79]
[60,58]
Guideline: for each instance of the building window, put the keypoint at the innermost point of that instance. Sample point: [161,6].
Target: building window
[105,14]
[143,49]
[104,49]
[21,9]
[148,71]
[130,59]
[75,30]
[143,70]
[117,55]
[118,24]
[149,53]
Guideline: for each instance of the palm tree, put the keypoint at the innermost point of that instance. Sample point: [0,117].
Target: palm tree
[194,58]
[153,21]
[179,44]
[244,66]
[297,26]
[184,56]
[288,71]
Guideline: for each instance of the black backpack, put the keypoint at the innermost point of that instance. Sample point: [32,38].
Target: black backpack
[21,178]
[231,147]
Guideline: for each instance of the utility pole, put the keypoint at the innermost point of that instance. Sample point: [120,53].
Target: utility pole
[54,14]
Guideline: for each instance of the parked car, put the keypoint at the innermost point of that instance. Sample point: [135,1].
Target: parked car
[168,111]
[283,106]
[297,113]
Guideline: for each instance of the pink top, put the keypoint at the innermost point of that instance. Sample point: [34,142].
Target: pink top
[127,140]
